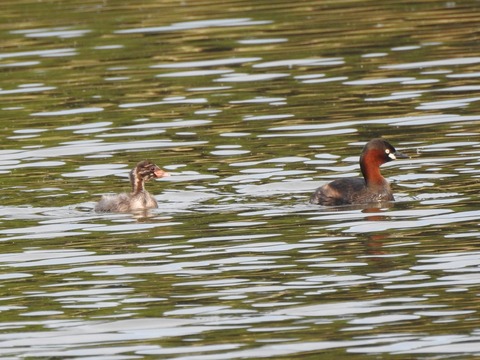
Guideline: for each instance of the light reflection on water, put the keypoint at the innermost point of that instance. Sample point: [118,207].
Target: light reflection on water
[250,114]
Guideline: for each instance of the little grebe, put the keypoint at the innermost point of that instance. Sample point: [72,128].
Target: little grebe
[372,188]
[139,198]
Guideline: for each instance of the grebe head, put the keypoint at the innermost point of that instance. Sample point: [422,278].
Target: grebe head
[379,151]
[144,171]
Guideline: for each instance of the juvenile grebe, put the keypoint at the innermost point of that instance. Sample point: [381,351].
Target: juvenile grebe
[139,198]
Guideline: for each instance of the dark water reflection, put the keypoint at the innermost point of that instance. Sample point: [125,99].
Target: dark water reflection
[250,106]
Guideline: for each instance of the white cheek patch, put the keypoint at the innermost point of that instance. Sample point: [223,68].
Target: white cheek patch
[392,156]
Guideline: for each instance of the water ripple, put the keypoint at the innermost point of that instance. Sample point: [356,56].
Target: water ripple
[239,77]
[41,53]
[62,33]
[166,101]
[27,89]
[207,63]
[190,25]
[433,63]
[68,112]
[301,62]
[195,73]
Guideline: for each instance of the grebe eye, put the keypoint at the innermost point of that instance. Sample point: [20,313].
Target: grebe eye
[152,168]
[387,151]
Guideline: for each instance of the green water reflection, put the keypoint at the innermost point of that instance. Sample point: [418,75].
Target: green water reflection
[250,105]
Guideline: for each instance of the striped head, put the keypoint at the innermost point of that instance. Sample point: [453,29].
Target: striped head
[145,170]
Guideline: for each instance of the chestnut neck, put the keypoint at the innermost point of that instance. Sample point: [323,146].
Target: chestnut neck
[370,162]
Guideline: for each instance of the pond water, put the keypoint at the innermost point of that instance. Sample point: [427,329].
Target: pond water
[250,105]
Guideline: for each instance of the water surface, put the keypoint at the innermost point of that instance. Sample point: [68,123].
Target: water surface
[250,105]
